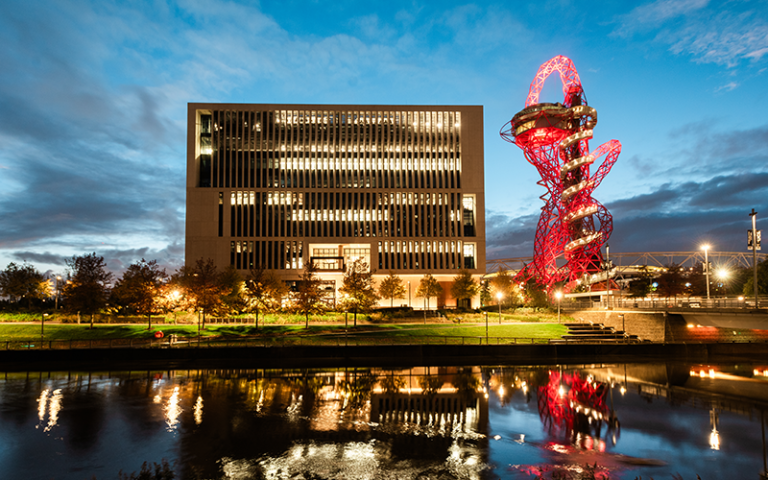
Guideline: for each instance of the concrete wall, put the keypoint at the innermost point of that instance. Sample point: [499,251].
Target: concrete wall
[646,325]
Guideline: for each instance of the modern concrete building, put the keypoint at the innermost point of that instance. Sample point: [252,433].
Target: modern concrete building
[282,185]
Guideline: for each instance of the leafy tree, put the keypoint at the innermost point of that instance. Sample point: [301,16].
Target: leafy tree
[671,283]
[234,299]
[641,287]
[392,287]
[428,287]
[309,298]
[88,289]
[762,280]
[139,289]
[23,281]
[204,287]
[464,287]
[502,283]
[264,291]
[358,287]
[535,294]
[171,299]
[485,292]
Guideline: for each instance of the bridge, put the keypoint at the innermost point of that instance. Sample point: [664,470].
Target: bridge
[626,263]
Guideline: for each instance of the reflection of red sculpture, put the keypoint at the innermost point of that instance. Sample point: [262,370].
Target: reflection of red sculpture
[555,139]
[574,406]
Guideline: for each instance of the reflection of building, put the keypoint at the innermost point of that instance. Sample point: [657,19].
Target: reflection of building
[400,187]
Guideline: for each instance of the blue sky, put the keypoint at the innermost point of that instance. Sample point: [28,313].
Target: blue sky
[93,99]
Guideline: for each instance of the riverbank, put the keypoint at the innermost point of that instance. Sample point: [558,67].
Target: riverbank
[373,355]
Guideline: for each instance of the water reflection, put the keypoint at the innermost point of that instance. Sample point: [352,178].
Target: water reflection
[449,422]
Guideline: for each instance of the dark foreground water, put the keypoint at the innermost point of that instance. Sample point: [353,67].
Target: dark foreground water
[651,420]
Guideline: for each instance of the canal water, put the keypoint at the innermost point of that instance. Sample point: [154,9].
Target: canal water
[618,421]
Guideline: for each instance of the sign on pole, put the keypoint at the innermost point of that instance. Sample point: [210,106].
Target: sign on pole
[751,243]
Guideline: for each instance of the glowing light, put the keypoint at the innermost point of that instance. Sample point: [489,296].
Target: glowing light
[623,390]
[199,410]
[42,402]
[54,406]
[714,440]
[172,410]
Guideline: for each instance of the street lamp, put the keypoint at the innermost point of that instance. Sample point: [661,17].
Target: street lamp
[499,295]
[409,294]
[722,274]
[558,296]
[706,265]
[56,305]
[42,329]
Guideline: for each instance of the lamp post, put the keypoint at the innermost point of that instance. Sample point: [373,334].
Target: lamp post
[755,245]
[498,298]
[56,301]
[558,296]
[42,329]
[409,294]
[706,266]
[486,328]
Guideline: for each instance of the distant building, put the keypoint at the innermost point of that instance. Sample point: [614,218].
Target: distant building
[282,185]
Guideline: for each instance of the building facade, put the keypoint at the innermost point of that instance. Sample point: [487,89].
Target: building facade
[281,185]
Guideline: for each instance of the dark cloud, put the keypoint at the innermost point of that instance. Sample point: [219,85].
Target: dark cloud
[675,217]
[84,159]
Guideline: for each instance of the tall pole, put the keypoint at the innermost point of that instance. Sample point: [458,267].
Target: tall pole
[754,254]
[558,295]
[56,303]
[409,294]
[498,299]
[486,328]
[706,267]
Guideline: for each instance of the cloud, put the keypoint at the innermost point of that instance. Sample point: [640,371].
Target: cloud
[708,33]
[673,217]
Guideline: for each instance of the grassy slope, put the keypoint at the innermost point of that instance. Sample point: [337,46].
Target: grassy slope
[82,332]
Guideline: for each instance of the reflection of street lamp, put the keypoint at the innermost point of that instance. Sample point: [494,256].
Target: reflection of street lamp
[498,298]
[558,296]
[706,265]
[714,436]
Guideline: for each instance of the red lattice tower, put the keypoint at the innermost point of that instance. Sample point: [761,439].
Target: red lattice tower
[555,139]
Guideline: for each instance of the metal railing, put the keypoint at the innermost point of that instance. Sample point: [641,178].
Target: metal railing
[656,303]
[276,341]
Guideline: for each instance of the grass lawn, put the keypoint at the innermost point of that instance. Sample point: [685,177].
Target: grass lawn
[525,330]
[15,332]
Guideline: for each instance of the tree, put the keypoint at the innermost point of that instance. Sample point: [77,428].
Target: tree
[204,287]
[139,289]
[234,299]
[535,294]
[392,287]
[502,283]
[358,287]
[428,287]
[485,292]
[23,281]
[641,287]
[88,290]
[263,290]
[309,298]
[671,283]
[464,287]
[762,280]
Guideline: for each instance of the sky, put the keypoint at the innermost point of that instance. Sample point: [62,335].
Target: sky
[93,101]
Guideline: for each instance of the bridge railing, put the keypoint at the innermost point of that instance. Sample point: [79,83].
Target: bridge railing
[692,303]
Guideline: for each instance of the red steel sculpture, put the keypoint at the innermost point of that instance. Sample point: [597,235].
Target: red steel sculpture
[555,139]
